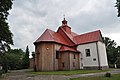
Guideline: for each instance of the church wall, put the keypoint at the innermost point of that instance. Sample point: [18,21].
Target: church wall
[44,57]
[38,58]
[57,47]
[74,61]
[64,61]
[102,54]
[90,61]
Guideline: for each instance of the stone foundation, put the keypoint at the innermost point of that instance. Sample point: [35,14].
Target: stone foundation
[96,67]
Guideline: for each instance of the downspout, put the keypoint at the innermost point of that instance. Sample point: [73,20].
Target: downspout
[98,57]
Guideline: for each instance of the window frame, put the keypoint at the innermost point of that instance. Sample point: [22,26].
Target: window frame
[87,51]
[57,54]
[63,64]
[74,57]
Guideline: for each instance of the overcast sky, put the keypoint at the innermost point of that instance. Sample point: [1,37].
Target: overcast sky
[28,19]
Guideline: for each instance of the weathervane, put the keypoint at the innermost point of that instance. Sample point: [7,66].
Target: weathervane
[64,21]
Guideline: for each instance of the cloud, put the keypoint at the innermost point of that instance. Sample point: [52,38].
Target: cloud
[29,18]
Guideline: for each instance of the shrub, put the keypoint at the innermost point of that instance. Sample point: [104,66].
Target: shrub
[111,66]
[2,72]
[108,75]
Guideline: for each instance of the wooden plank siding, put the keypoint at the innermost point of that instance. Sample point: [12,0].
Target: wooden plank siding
[45,58]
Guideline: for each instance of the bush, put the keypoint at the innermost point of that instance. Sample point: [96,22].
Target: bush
[118,65]
[108,75]
[2,72]
[111,66]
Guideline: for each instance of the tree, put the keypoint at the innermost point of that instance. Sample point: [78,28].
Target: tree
[15,57]
[118,57]
[5,33]
[26,59]
[118,7]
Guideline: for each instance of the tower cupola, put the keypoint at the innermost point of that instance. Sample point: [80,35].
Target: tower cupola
[64,22]
[65,26]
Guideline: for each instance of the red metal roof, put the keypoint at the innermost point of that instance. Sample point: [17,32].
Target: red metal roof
[51,36]
[65,48]
[88,37]
[67,38]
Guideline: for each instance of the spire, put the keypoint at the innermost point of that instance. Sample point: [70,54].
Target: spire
[64,22]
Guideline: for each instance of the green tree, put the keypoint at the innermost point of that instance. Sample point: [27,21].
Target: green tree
[118,57]
[118,7]
[15,57]
[5,33]
[26,59]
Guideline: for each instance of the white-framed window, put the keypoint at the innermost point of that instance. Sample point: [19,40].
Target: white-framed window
[87,51]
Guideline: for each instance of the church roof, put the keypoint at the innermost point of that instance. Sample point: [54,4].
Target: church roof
[65,36]
[65,48]
[51,36]
[88,37]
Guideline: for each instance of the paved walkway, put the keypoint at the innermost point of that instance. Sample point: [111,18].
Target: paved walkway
[22,75]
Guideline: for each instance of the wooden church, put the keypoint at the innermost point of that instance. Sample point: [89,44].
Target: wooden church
[66,50]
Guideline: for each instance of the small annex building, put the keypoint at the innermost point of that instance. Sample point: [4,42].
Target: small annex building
[66,50]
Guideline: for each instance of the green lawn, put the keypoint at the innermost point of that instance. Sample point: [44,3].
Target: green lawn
[69,72]
[114,77]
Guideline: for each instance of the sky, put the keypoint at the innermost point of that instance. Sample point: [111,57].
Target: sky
[28,19]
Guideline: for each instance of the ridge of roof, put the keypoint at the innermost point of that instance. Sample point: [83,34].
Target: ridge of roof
[90,32]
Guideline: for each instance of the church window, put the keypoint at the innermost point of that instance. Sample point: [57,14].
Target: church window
[74,56]
[57,54]
[87,52]
[63,64]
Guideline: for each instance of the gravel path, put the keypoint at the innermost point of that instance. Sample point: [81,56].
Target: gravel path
[22,75]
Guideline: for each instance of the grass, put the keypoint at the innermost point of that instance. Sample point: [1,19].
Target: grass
[69,72]
[114,77]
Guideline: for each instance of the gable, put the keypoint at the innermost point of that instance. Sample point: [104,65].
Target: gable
[68,36]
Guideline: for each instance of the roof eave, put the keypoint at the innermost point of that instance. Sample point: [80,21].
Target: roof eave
[70,51]
[87,42]
[53,42]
